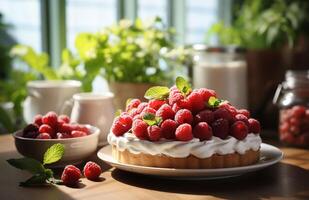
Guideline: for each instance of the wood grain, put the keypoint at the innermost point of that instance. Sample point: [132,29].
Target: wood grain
[286,180]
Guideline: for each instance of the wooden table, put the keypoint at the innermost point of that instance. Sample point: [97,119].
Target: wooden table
[287,180]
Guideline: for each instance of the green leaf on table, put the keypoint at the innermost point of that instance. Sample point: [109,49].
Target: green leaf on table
[157,92]
[31,165]
[213,102]
[37,179]
[53,153]
[183,85]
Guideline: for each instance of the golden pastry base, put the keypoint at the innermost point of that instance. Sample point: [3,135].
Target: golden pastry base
[190,162]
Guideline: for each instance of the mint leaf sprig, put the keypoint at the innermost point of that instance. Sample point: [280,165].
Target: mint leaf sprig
[151,119]
[183,86]
[41,175]
[157,92]
[213,102]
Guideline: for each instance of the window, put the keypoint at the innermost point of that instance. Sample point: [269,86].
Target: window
[88,16]
[201,15]
[25,26]
[148,9]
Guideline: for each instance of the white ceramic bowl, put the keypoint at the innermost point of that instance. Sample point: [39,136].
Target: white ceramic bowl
[76,149]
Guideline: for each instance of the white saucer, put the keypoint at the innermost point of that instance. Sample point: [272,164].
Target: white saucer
[269,156]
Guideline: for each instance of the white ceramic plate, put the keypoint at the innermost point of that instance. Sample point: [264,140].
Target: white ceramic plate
[269,156]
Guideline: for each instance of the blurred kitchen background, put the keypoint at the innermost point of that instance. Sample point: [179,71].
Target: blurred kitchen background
[244,49]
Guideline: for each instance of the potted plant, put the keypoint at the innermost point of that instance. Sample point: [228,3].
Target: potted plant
[131,56]
[270,31]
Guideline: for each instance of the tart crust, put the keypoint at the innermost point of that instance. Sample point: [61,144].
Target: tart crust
[191,162]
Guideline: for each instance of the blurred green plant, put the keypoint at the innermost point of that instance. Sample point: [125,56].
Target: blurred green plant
[138,52]
[263,24]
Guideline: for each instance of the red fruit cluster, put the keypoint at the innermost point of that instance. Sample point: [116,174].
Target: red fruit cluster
[294,125]
[71,174]
[52,126]
[184,116]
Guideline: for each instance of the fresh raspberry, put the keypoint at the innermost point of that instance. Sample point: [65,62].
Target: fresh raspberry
[244,112]
[92,170]
[175,96]
[175,108]
[220,128]
[75,134]
[223,113]
[155,104]
[298,111]
[184,132]
[31,131]
[168,128]
[184,104]
[82,128]
[206,93]
[50,119]
[139,129]
[134,103]
[71,175]
[229,108]
[43,136]
[165,112]
[65,128]
[64,118]
[239,130]
[243,118]
[38,120]
[154,133]
[147,111]
[196,101]
[122,124]
[63,135]
[133,112]
[141,107]
[254,126]
[44,128]
[204,116]
[184,116]
[202,131]
[138,116]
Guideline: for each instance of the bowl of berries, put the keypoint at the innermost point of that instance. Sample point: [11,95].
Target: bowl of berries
[80,141]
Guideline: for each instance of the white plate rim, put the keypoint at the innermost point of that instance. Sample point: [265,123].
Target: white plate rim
[172,172]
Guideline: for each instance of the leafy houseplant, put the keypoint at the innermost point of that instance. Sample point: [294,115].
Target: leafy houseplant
[131,56]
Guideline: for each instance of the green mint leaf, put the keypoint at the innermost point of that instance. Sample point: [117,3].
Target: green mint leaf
[183,85]
[213,102]
[151,119]
[157,92]
[31,165]
[118,112]
[53,154]
[37,179]
[128,101]
[49,173]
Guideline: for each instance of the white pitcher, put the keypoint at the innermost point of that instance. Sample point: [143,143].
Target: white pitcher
[96,110]
[44,96]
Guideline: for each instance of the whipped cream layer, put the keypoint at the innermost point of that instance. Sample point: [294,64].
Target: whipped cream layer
[179,149]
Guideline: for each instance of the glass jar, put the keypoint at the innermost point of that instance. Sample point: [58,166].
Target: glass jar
[222,69]
[292,98]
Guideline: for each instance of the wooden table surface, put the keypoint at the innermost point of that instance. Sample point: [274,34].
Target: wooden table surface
[287,180]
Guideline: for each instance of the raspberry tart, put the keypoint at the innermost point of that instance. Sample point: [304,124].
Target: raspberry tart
[183,128]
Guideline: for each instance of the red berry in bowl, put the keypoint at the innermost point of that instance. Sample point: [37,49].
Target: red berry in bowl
[38,120]
[154,133]
[184,116]
[92,170]
[220,128]
[64,118]
[65,128]
[134,103]
[239,130]
[50,119]
[202,131]
[155,104]
[165,112]
[44,128]
[31,131]
[71,175]
[139,129]
[184,132]
[254,126]
[43,136]
[63,135]
[75,134]
[168,128]
[204,116]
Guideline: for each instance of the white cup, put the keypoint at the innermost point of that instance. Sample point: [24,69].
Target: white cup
[44,96]
[96,110]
